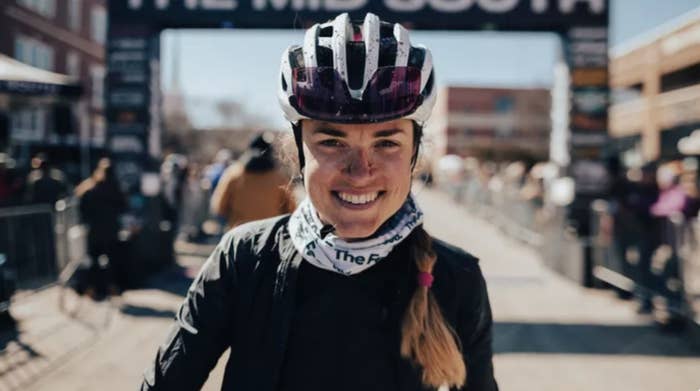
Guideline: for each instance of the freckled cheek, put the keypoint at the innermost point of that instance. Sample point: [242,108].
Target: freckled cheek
[319,178]
[398,174]
[331,161]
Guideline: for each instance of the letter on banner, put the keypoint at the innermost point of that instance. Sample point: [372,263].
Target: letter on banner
[451,5]
[311,5]
[404,5]
[297,5]
[219,4]
[567,6]
[540,6]
[498,6]
[209,4]
[344,5]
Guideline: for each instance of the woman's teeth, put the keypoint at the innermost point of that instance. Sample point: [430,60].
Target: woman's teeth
[358,199]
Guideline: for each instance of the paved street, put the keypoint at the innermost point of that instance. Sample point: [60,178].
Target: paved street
[553,335]
[549,335]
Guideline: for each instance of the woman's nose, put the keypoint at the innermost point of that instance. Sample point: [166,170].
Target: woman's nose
[359,163]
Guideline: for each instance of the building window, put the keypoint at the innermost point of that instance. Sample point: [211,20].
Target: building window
[97,75]
[28,124]
[75,14]
[98,24]
[504,104]
[46,8]
[73,64]
[44,57]
[33,52]
[21,50]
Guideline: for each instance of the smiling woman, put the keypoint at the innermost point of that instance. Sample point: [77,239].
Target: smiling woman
[348,292]
[357,175]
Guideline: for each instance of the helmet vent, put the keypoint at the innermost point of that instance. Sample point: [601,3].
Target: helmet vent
[357,33]
[324,56]
[416,57]
[326,31]
[387,55]
[356,64]
[296,57]
[386,30]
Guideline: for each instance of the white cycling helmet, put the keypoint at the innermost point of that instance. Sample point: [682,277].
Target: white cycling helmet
[357,73]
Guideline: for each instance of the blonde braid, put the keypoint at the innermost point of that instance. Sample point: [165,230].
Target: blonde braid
[427,339]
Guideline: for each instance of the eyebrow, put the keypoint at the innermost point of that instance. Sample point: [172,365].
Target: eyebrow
[388,132]
[339,133]
[330,132]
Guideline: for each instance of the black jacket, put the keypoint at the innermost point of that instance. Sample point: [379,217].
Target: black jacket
[100,208]
[243,298]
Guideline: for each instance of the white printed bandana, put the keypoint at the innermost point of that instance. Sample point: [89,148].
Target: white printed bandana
[332,253]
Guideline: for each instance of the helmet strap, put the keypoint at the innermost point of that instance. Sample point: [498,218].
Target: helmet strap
[296,128]
[417,137]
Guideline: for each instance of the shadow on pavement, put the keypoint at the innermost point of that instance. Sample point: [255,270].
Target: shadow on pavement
[176,280]
[13,351]
[134,310]
[554,338]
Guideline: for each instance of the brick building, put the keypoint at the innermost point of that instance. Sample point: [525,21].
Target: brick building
[491,123]
[655,81]
[65,37]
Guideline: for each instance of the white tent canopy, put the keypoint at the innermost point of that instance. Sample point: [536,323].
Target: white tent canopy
[19,78]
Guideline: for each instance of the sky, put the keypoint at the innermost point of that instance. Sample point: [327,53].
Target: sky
[243,65]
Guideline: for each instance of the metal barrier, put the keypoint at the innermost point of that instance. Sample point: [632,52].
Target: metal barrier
[688,249]
[28,242]
[561,248]
[503,206]
[657,259]
[545,227]
[71,238]
[40,241]
[615,249]
[654,258]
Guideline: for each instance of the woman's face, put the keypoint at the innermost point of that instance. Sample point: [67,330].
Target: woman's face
[357,175]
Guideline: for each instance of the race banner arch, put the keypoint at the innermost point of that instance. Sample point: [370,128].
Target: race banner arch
[133,66]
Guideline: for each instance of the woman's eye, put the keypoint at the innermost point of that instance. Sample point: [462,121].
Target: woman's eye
[387,144]
[330,143]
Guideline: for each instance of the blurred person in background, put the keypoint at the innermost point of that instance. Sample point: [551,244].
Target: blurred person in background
[195,203]
[212,174]
[214,171]
[673,198]
[254,187]
[10,183]
[450,170]
[624,222]
[643,195]
[689,182]
[349,292]
[45,184]
[101,204]
[532,189]
[672,209]
[533,192]
[173,172]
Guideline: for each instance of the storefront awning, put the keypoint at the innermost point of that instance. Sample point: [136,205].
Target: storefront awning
[22,79]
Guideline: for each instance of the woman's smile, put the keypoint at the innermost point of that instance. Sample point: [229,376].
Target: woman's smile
[357,201]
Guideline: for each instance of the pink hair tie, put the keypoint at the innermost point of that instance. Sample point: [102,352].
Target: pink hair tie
[425,279]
